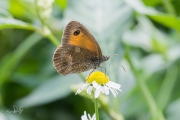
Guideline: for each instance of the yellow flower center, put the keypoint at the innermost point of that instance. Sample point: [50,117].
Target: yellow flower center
[97,76]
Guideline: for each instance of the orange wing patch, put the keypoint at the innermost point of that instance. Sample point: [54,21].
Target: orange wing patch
[85,42]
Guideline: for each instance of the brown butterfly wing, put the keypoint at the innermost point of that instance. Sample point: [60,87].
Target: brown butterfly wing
[85,39]
[76,52]
[70,59]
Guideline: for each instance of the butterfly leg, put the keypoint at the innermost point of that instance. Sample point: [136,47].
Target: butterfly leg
[104,70]
[101,66]
[91,72]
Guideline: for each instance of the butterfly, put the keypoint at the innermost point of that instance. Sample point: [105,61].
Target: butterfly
[78,52]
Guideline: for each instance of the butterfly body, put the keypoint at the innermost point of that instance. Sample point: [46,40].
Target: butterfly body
[78,51]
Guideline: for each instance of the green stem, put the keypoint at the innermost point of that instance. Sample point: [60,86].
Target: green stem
[155,111]
[96,108]
[53,39]
[1,103]
[38,13]
[45,28]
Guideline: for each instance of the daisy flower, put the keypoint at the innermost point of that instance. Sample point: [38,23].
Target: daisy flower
[88,117]
[101,84]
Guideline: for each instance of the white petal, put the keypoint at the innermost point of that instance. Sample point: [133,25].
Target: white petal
[89,117]
[85,113]
[84,117]
[95,84]
[97,93]
[106,90]
[78,91]
[94,117]
[85,85]
[89,90]
[113,85]
[116,89]
[113,92]
[82,88]
[101,89]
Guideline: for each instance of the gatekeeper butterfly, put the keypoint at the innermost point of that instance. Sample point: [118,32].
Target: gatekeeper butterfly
[78,52]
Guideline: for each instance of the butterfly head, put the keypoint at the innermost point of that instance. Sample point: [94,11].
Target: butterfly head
[105,58]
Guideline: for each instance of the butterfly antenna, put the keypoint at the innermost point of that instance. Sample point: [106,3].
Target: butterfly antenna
[109,64]
[113,55]
[119,64]
[108,67]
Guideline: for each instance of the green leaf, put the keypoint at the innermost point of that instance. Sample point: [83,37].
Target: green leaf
[4,13]
[165,19]
[4,115]
[16,9]
[54,89]
[173,109]
[135,101]
[151,2]
[62,3]
[10,61]
[13,23]
[165,91]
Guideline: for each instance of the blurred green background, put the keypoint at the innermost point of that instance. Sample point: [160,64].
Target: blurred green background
[145,35]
